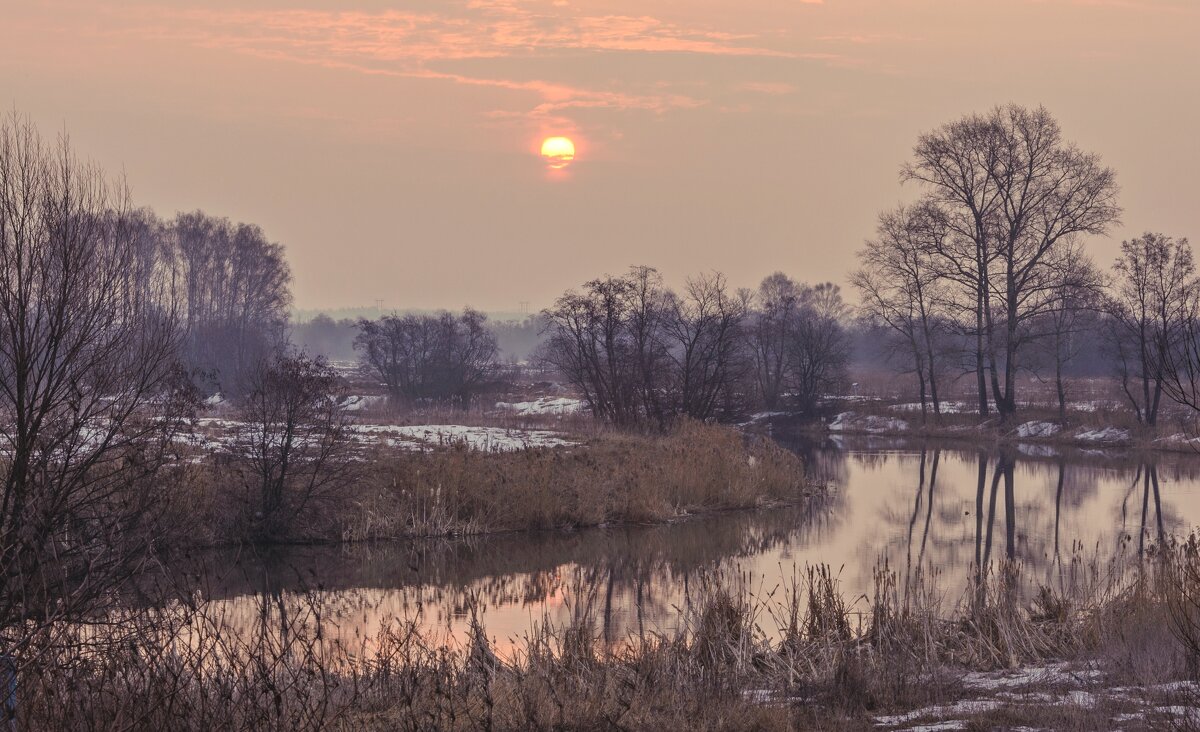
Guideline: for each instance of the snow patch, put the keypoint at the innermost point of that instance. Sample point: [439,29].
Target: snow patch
[543,405]
[1037,451]
[974,706]
[359,403]
[1106,434]
[1037,429]
[483,439]
[1058,673]
[1178,439]
[871,423]
[944,407]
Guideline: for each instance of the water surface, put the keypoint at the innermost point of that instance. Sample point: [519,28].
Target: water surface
[926,508]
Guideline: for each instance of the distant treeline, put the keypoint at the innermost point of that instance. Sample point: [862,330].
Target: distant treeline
[224,286]
[517,340]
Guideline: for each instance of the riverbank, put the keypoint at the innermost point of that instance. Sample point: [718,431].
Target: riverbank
[457,489]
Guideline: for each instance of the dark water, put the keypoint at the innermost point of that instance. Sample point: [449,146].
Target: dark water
[936,507]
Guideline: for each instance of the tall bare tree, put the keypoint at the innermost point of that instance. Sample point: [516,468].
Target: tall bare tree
[236,295]
[1012,191]
[956,164]
[1050,192]
[1077,290]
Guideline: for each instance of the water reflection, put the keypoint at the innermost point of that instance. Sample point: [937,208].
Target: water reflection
[927,508]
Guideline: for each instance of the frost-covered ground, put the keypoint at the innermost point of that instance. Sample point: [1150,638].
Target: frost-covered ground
[945,407]
[959,407]
[854,422]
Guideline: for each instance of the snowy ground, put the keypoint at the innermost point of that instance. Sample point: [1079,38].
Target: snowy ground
[219,434]
[484,439]
[945,407]
[1056,689]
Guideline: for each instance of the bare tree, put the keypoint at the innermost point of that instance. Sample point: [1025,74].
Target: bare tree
[641,354]
[293,448]
[1051,192]
[770,331]
[650,308]
[607,340]
[819,349]
[90,394]
[901,287]
[704,332]
[1149,310]
[957,164]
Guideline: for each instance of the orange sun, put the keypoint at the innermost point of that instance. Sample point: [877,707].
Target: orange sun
[558,152]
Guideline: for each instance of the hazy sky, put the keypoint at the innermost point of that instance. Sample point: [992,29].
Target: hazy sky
[391,146]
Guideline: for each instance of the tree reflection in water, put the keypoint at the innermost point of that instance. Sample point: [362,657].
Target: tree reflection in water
[938,508]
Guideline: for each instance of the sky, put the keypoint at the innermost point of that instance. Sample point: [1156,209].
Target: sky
[392,147]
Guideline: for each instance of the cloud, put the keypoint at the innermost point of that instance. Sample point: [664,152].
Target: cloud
[422,44]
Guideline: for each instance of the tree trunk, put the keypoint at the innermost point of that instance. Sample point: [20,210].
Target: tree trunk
[1062,392]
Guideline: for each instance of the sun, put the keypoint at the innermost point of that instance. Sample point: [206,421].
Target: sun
[558,152]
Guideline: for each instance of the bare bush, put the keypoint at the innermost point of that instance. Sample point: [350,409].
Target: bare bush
[292,451]
[442,359]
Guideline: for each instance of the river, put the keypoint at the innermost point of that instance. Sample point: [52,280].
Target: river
[932,509]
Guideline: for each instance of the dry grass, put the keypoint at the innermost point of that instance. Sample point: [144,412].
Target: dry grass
[610,478]
[798,657]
